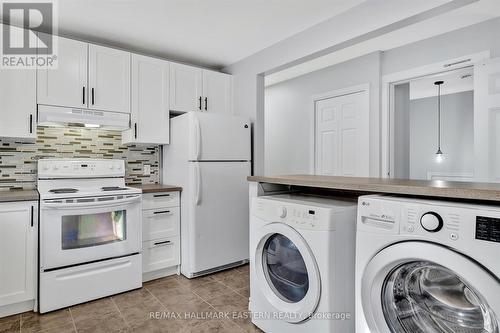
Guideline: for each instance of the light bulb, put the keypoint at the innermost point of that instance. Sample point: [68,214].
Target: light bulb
[439,156]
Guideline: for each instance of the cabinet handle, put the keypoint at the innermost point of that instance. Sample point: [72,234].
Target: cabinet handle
[83,99]
[200,103]
[92,96]
[31,123]
[135,130]
[162,212]
[161,243]
[206,103]
[160,195]
[32,215]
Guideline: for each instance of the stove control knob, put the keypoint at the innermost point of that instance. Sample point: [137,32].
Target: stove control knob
[431,222]
[282,212]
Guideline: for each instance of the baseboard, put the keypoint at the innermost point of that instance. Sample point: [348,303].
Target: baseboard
[12,309]
[174,270]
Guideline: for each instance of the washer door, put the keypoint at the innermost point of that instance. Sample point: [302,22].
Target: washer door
[287,272]
[420,287]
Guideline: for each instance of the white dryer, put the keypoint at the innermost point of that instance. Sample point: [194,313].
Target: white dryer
[302,264]
[425,266]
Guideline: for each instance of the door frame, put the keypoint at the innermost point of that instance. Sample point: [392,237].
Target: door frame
[327,95]
[387,101]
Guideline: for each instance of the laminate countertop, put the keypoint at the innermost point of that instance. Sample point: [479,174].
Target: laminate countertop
[18,195]
[434,188]
[157,188]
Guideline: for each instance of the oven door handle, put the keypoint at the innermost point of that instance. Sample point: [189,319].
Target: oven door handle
[93,204]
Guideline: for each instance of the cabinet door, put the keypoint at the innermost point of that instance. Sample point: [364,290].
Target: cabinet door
[18,246]
[150,105]
[66,85]
[17,101]
[185,88]
[217,90]
[109,79]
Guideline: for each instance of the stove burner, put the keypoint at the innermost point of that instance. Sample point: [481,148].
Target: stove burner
[63,190]
[113,188]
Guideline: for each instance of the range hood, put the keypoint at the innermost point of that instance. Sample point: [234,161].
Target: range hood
[64,116]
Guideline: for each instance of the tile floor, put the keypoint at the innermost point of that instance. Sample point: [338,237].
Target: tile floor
[215,303]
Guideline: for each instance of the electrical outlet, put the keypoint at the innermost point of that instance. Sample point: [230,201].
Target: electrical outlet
[146,170]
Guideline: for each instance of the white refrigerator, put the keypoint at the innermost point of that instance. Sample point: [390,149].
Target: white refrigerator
[209,155]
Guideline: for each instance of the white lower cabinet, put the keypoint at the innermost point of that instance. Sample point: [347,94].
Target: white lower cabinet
[18,256]
[160,235]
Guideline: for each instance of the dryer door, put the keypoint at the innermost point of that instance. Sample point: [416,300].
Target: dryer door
[420,287]
[287,272]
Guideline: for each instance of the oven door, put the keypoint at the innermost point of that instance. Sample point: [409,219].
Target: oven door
[81,230]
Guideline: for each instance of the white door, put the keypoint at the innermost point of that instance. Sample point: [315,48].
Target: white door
[218,218]
[17,100]
[423,287]
[342,135]
[18,251]
[66,85]
[109,79]
[218,137]
[487,121]
[217,91]
[185,88]
[150,105]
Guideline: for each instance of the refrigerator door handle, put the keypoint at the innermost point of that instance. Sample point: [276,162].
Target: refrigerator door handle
[198,184]
[197,137]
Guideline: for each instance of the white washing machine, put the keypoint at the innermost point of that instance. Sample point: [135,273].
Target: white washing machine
[426,266]
[302,264]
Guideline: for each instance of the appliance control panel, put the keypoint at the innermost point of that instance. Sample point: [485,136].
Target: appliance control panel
[297,215]
[441,221]
[66,168]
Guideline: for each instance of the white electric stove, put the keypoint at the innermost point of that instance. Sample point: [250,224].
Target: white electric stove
[90,231]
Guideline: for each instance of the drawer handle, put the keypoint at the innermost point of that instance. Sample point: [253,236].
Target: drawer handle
[160,195]
[162,212]
[162,243]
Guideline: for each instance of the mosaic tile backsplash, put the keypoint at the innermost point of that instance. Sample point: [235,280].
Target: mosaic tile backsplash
[18,159]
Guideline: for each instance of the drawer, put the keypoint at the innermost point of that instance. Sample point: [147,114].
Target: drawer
[160,223]
[161,253]
[160,200]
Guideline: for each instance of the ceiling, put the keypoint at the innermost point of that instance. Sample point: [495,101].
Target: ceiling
[454,82]
[213,33]
[473,13]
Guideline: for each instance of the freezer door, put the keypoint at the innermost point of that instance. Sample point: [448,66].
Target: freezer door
[218,217]
[219,137]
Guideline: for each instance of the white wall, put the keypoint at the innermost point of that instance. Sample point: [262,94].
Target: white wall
[316,41]
[476,38]
[457,135]
[289,112]
[401,131]
[249,83]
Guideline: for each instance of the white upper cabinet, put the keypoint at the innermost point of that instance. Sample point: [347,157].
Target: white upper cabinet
[150,101]
[195,89]
[18,102]
[66,85]
[109,79]
[217,91]
[18,252]
[185,88]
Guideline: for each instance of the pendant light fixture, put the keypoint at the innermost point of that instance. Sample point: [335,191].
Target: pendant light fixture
[439,153]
